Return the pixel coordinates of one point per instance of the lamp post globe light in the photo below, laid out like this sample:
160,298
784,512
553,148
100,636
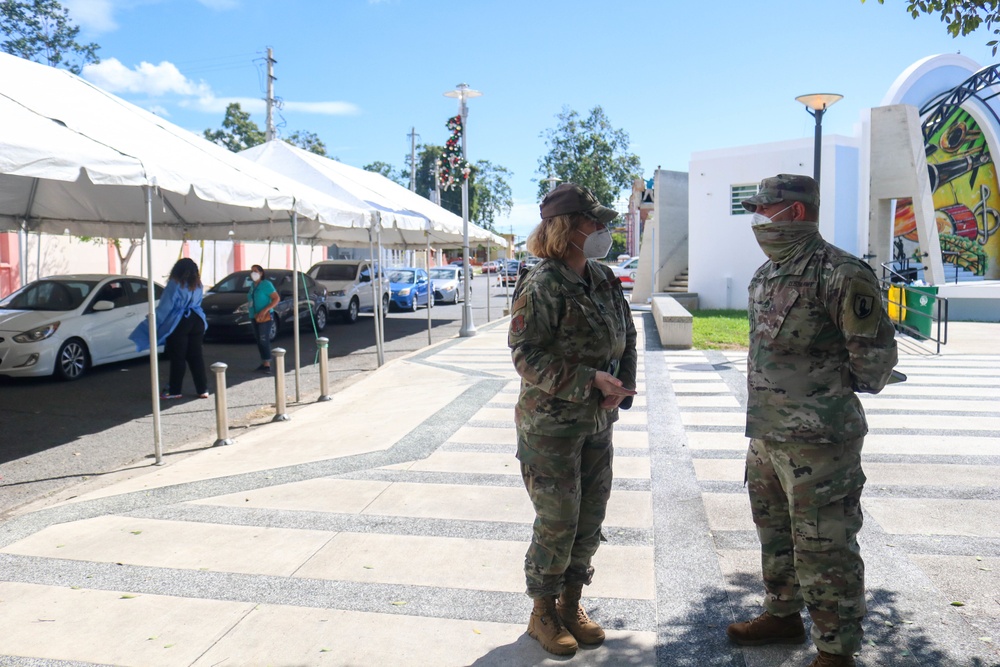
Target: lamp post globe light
463,92
552,181
817,104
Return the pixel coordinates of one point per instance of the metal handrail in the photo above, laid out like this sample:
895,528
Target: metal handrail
940,336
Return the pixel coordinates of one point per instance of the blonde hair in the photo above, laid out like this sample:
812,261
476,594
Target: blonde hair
551,238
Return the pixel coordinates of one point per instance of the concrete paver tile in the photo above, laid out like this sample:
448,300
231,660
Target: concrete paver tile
449,562
102,627
935,516
345,496
627,467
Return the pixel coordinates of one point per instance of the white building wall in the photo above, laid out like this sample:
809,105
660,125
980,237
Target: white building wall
722,248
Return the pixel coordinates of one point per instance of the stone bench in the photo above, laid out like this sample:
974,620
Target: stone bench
673,323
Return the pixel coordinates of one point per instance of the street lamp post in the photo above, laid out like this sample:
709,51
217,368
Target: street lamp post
552,181
463,92
817,104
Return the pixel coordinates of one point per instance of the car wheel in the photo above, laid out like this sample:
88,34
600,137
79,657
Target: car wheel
458,291
351,314
71,361
272,333
413,303
321,318
431,300
385,304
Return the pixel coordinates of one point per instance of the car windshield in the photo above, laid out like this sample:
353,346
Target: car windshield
334,271
444,274
50,295
401,277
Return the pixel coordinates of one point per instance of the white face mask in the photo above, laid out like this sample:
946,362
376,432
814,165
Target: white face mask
598,244
759,219
255,277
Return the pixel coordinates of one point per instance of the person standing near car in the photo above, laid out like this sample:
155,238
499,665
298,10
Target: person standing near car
180,327
262,299
819,335
573,343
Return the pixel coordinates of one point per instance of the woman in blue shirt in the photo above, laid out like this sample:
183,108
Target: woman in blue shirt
180,327
262,297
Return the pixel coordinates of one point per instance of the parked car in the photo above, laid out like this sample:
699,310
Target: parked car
448,284
348,284
625,271
64,325
409,288
460,263
509,273
492,266
228,314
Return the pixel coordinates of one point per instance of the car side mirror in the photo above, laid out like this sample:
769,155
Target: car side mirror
103,305
366,278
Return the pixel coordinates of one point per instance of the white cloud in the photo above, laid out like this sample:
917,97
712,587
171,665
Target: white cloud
146,78
159,110
325,108
212,104
93,16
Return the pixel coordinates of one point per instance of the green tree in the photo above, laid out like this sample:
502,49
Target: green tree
238,131
962,17
308,141
489,193
41,30
588,151
400,176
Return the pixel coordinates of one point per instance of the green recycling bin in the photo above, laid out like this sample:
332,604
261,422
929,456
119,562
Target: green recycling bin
920,301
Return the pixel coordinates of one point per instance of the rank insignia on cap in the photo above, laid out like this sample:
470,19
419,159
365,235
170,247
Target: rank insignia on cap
517,325
863,305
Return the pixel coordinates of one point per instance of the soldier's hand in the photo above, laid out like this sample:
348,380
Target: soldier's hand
610,386
611,402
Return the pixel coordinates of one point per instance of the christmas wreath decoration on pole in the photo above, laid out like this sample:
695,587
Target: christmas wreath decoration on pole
452,167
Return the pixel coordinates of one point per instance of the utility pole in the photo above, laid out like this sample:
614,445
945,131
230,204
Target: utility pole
413,158
269,129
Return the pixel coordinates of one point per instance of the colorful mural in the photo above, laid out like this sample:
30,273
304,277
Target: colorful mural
966,199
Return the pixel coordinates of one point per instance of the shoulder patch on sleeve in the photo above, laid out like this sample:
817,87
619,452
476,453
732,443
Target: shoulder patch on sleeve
517,325
861,309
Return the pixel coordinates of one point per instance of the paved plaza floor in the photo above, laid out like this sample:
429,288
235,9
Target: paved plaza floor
388,527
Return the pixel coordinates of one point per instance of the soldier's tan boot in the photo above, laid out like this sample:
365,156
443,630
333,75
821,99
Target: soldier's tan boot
825,659
574,617
768,629
548,629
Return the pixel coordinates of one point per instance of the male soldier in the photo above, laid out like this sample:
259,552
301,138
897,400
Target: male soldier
818,334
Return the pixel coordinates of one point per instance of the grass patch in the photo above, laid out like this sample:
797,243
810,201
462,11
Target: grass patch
720,329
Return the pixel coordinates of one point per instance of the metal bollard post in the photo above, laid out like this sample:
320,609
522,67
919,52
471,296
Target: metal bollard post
280,415
221,405
324,363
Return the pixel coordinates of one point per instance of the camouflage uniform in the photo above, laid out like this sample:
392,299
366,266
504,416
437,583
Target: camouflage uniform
564,328
818,334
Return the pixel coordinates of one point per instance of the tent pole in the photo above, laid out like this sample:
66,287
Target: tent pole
375,270
430,287
154,365
380,342
489,243
295,300
38,264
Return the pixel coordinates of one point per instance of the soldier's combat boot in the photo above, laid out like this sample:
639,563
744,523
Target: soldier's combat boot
574,617
768,629
825,659
548,629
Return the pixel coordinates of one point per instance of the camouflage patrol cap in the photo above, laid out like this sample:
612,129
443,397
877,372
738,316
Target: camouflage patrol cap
573,198
784,187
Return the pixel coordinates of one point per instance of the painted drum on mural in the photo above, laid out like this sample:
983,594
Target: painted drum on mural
966,198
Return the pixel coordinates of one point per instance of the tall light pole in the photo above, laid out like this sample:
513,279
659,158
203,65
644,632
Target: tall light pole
817,104
463,92
552,181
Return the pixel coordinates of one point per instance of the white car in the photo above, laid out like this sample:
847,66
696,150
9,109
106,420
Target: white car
625,272
448,284
63,325
348,284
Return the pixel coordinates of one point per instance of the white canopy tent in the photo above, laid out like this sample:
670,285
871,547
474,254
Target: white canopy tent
401,218
74,157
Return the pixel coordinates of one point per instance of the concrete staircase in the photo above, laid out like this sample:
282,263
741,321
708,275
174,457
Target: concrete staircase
678,289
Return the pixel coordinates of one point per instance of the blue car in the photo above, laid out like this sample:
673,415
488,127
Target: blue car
409,288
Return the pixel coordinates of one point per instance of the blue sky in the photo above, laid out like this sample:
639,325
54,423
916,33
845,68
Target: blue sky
679,77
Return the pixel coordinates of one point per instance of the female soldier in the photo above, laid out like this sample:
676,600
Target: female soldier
573,344
262,297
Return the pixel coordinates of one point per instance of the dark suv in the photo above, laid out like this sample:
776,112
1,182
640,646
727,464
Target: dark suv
226,310
510,271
